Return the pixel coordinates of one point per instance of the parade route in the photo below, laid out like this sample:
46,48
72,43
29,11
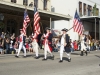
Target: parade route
80,65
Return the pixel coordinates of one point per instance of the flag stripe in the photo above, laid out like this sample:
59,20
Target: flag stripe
26,21
36,23
78,27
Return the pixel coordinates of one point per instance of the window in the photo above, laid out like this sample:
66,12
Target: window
25,2
84,9
89,10
45,4
97,12
36,3
14,1
31,4
80,8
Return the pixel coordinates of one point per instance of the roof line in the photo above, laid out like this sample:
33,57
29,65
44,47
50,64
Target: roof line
30,8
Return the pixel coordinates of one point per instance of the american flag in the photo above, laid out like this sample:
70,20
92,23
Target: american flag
26,21
78,27
36,23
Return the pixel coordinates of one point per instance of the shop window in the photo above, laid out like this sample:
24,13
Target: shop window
14,1
36,3
45,4
80,8
25,2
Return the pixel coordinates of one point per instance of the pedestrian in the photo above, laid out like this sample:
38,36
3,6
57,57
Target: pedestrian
48,44
65,45
35,46
83,44
21,44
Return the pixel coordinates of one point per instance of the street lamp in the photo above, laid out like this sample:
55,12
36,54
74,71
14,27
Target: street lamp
1,17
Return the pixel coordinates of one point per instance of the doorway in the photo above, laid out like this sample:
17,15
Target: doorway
11,26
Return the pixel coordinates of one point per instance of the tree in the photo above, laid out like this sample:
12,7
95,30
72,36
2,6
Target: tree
94,10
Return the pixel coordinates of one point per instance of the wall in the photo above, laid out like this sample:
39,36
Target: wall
40,3
68,7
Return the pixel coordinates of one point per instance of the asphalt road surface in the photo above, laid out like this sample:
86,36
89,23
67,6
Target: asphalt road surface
79,65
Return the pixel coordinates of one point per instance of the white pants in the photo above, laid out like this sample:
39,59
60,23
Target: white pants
46,49
61,52
35,47
1,50
83,47
20,47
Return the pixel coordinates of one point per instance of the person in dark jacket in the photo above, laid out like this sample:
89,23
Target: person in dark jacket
65,45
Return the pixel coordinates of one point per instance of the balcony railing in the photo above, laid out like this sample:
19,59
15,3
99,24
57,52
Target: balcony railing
88,14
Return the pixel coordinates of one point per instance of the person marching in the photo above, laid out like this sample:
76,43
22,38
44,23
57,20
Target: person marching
21,44
48,44
83,44
65,45
35,46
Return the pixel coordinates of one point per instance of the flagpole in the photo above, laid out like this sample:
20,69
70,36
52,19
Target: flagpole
71,28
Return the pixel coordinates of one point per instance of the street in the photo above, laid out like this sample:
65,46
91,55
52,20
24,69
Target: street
79,65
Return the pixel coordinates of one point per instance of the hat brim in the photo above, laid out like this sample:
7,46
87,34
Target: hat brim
47,29
21,29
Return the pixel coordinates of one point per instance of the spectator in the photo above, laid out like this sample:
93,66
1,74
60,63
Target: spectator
3,35
79,45
1,44
75,45
16,46
7,43
71,46
12,42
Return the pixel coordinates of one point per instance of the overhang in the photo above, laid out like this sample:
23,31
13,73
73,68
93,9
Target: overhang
46,14
90,19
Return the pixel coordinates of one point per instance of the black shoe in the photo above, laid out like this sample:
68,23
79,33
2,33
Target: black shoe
17,56
52,57
86,53
61,61
24,56
44,59
81,53
36,57
69,60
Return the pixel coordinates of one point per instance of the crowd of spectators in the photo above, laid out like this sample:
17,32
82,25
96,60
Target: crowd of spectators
9,44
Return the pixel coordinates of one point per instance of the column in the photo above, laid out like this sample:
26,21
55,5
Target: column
50,22
99,29
82,9
95,28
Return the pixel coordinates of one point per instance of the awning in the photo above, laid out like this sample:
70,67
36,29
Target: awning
90,19
46,14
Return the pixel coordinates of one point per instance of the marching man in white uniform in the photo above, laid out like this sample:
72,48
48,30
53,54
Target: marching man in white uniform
83,44
21,44
65,45
35,46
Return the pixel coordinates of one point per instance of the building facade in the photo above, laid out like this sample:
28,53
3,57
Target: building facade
85,8
13,11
